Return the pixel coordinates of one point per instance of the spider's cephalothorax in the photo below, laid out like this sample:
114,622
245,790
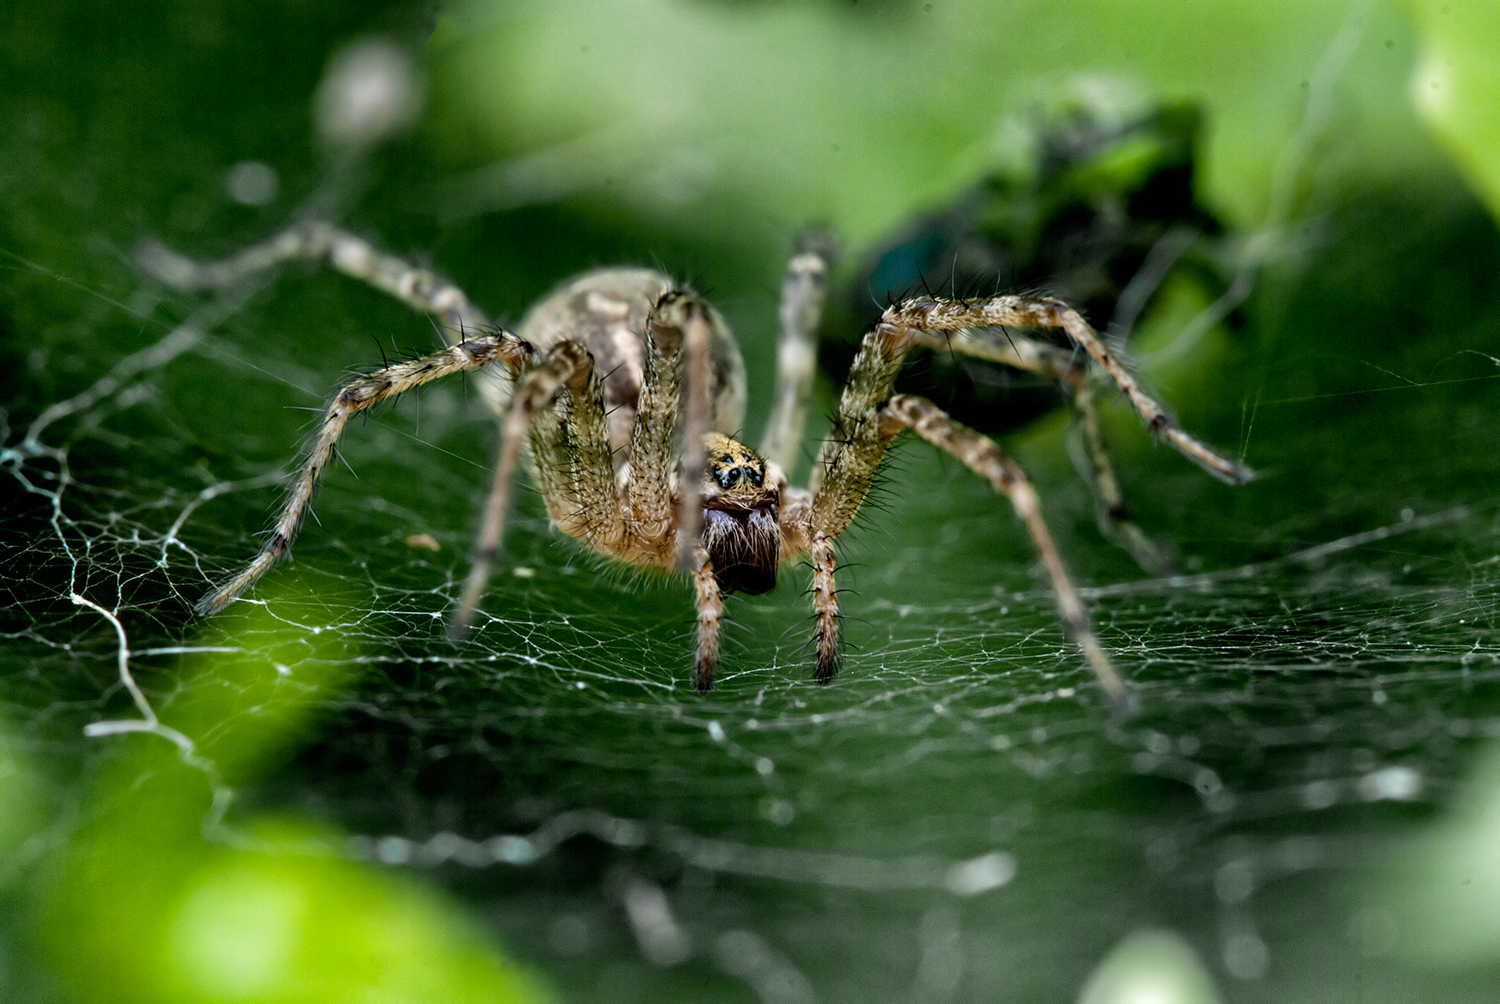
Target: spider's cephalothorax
740,532
626,387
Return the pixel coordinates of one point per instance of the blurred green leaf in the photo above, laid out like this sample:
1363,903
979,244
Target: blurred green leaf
1441,902
860,114
1456,85
142,908
1155,966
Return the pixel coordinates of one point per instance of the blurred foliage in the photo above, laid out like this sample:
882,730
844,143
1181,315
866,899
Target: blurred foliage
1110,190
139,906
1456,85
859,114
1154,966
1438,904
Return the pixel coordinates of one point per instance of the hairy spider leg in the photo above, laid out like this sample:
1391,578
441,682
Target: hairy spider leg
980,454
1049,360
851,454
869,417
360,395
812,518
570,445
354,256
566,372
1013,348
1114,515
826,607
710,609
1039,312
693,323
804,289
654,514
689,317
648,490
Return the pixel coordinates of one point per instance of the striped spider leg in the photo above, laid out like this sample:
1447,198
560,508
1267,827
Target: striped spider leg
1070,367
869,417
596,370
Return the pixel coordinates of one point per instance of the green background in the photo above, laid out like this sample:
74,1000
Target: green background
1305,802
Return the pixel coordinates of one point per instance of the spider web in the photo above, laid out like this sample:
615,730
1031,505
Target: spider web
959,817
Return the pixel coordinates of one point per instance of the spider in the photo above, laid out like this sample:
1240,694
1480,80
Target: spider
628,387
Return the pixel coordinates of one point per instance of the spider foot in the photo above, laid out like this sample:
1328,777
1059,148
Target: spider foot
703,675
828,664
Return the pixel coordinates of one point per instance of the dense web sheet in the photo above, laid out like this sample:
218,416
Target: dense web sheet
958,817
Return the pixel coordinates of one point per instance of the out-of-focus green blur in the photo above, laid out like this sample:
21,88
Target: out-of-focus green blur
148,897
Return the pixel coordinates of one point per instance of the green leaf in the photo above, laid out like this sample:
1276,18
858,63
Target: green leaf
1456,86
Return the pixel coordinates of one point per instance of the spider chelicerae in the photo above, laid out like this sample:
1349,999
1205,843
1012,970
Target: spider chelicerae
627,387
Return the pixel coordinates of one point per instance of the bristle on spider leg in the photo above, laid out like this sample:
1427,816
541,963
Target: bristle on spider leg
1229,471
695,346
980,454
538,390
220,597
1157,417
826,605
321,448
710,612
1029,311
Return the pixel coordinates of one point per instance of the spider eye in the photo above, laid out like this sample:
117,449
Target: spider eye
757,476
729,478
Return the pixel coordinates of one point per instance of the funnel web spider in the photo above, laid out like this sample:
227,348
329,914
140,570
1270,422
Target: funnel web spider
626,388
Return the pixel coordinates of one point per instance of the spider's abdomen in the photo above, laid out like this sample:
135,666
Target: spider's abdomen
606,310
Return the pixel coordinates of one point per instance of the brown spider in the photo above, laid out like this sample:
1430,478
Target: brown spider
626,388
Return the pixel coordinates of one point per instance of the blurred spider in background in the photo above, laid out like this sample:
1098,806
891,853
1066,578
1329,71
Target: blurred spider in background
627,389
1102,214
